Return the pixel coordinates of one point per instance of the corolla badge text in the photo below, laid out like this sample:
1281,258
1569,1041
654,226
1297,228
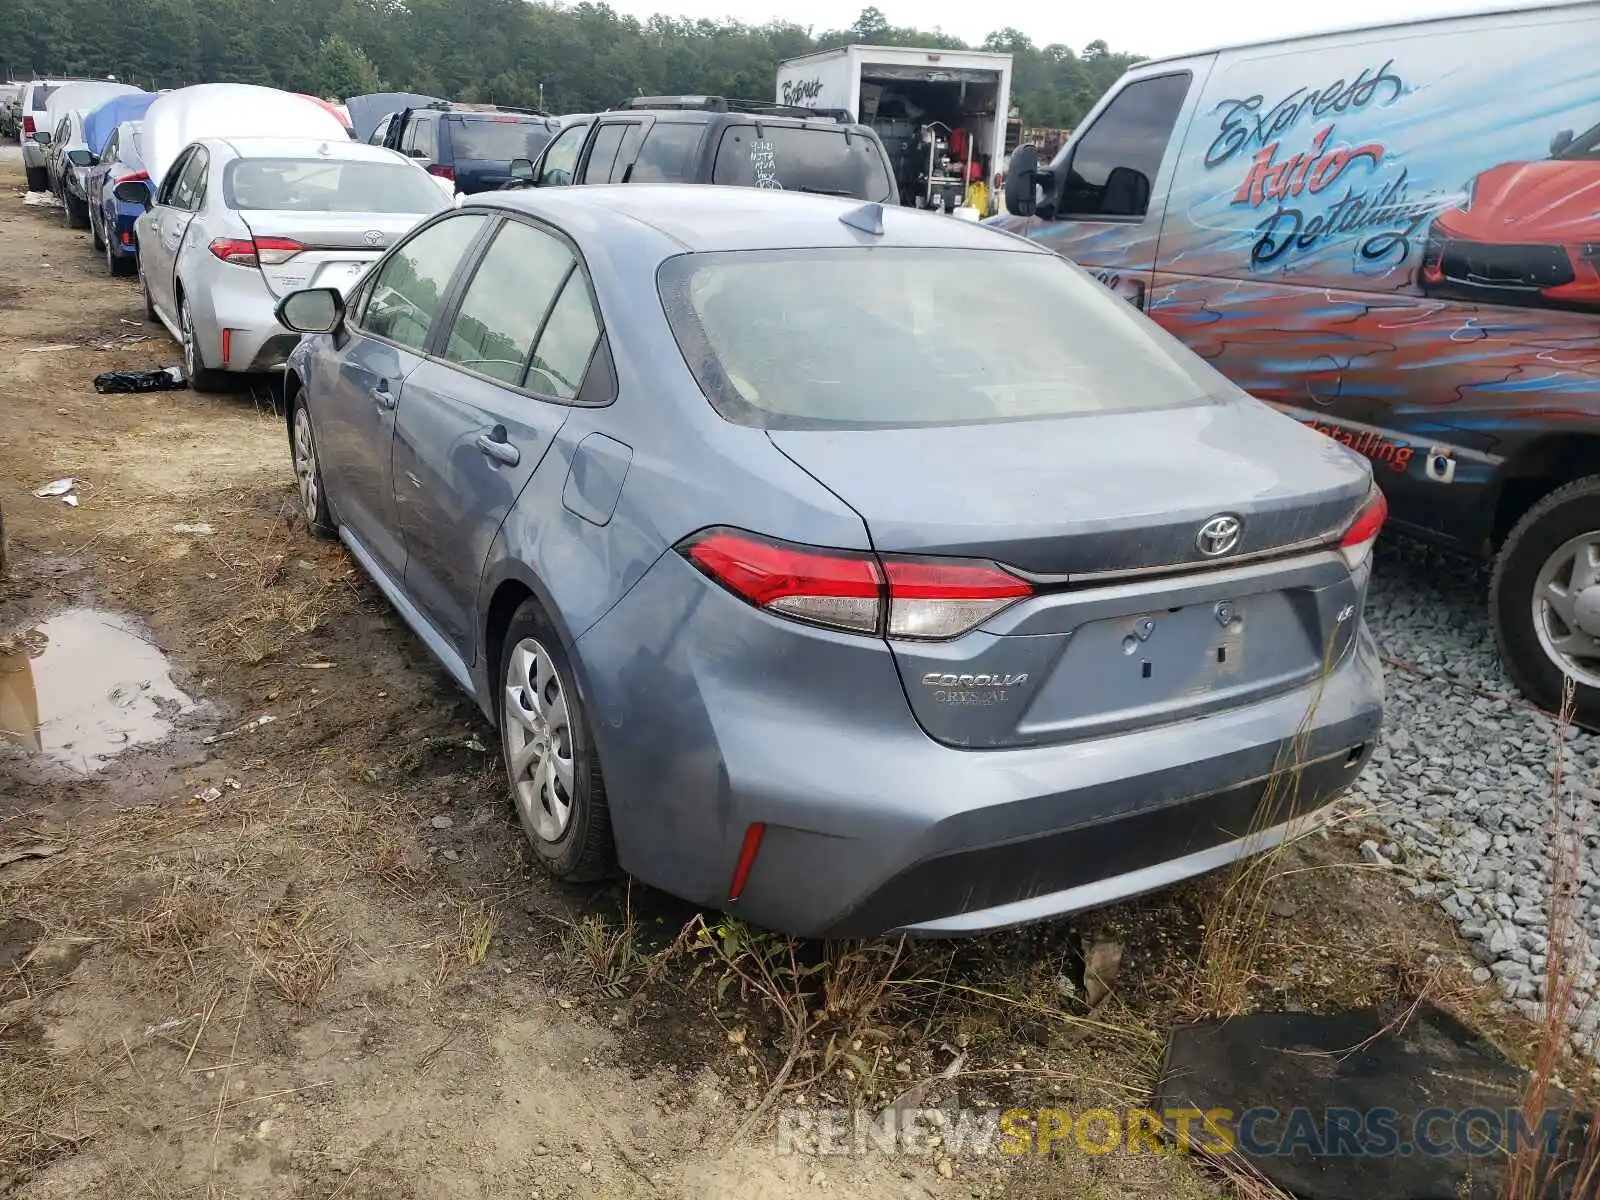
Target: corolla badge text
940,679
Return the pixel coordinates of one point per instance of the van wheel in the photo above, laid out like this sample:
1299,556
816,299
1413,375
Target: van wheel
549,755
1544,601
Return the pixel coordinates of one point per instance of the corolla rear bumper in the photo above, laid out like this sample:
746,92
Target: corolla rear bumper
235,322
711,717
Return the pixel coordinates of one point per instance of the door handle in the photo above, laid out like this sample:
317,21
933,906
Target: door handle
494,445
382,396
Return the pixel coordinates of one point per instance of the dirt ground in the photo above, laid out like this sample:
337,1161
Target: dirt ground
292,945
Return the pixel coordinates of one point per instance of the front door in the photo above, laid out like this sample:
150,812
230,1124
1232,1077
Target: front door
358,388
481,414
1108,192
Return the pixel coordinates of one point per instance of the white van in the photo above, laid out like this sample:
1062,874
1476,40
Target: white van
1393,234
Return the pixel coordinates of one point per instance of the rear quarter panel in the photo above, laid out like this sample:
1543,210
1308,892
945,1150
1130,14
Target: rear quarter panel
1290,257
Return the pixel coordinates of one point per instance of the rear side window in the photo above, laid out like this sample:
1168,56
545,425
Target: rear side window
506,303
328,186
410,285
497,139
381,132
566,343
798,159
420,137
603,153
41,97
889,348
667,155
1113,164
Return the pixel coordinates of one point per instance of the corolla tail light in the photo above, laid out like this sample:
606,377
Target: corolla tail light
260,252
924,599
1358,539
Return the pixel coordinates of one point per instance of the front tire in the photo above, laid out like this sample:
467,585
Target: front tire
1544,600
76,210
550,757
308,469
94,232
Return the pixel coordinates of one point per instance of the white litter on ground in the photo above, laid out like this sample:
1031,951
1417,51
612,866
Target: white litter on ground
41,200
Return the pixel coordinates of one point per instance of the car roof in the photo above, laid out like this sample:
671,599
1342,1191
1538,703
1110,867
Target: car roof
303,147
702,219
705,116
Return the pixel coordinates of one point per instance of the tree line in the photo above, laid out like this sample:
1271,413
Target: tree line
567,58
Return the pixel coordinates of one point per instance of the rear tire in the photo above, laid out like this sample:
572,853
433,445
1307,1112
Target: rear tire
150,313
1549,564
38,179
94,232
201,377
556,787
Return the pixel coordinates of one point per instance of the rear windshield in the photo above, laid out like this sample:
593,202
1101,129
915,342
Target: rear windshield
498,139
41,96
863,338
317,185
800,159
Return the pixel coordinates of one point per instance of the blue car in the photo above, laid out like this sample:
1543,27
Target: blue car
801,586
119,194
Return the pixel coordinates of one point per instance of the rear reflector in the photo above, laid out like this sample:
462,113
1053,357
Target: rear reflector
262,252
227,345
747,859
1357,541
855,591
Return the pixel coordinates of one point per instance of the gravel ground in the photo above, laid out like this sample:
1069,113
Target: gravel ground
1463,777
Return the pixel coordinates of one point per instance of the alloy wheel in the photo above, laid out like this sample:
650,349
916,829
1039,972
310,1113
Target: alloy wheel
538,733
191,352
305,464
1566,608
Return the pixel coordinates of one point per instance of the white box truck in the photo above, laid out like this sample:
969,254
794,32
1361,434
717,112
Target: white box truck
940,113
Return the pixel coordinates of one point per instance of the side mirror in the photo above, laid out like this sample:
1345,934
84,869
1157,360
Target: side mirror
80,158
41,139
314,310
1560,142
1023,178
522,170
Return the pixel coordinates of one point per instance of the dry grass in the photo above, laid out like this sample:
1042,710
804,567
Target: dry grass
297,947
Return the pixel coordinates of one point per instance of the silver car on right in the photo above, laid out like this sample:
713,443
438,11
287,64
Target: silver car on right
239,223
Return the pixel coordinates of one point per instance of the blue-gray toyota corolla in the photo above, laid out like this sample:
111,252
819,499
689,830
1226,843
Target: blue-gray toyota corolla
852,569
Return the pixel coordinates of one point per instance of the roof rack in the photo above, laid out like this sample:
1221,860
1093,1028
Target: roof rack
760,108
464,107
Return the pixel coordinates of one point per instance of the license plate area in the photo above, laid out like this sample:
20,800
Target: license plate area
341,275
1162,662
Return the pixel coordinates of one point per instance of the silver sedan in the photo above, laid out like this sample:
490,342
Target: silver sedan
239,223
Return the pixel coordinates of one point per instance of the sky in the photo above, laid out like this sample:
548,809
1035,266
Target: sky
1149,27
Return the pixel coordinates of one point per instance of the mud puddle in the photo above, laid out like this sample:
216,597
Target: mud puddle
85,686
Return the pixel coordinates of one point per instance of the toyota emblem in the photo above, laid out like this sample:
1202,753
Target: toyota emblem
1218,535
373,237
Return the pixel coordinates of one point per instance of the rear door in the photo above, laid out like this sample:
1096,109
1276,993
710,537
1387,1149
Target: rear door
669,152
601,158
481,414
358,386
175,207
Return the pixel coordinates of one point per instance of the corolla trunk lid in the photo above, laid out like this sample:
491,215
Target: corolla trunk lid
1145,607
1088,494
318,249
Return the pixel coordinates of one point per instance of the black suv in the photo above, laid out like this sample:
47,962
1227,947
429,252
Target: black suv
473,145
709,139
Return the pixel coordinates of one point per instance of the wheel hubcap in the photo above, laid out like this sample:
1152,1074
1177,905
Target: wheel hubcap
1566,608
538,736
305,462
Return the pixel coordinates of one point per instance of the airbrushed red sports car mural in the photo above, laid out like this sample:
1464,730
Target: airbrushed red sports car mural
1528,232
